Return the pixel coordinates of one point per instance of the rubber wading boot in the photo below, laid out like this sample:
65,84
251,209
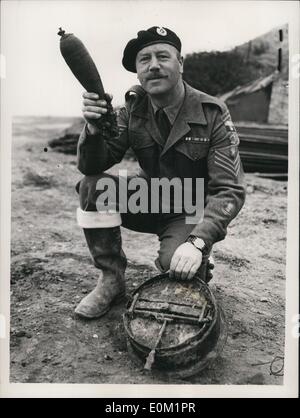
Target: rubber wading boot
106,251
108,292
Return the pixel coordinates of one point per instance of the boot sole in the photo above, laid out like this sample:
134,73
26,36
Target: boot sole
118,299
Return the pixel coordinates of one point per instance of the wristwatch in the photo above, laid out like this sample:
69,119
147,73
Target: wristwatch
198,243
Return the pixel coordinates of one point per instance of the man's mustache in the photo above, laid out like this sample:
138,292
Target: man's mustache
155,76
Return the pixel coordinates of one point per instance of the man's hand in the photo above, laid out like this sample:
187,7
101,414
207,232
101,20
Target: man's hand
185,261
93,109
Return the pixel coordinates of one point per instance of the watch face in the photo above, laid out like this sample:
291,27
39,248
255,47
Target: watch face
199,243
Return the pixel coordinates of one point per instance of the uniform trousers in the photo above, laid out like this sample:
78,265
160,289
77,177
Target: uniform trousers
171,229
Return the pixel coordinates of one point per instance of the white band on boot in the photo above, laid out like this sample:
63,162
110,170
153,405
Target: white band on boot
87,219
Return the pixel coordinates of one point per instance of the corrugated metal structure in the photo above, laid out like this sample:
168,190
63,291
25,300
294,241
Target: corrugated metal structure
252,102
260,112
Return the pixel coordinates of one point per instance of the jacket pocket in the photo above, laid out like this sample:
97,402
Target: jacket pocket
145,150
194,151
140,140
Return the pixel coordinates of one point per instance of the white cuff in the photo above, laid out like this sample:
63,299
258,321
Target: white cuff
87,219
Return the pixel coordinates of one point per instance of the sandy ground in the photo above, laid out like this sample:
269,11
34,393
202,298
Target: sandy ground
51,271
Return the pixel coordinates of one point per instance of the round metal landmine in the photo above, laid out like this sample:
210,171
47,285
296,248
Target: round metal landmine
175,327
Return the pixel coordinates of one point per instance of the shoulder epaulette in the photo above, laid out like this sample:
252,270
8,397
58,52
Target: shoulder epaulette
206,98
134,91
132,95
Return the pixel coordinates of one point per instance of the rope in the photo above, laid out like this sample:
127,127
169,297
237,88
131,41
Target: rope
273,370
278,372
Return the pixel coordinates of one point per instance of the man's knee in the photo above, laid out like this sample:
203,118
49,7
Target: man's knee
89,192
88,214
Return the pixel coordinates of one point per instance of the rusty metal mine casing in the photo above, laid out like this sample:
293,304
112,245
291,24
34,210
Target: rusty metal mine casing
160,315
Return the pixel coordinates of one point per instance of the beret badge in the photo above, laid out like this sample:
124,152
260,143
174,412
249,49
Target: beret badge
161,31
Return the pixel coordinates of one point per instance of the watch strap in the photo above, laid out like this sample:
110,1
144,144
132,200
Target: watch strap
203,249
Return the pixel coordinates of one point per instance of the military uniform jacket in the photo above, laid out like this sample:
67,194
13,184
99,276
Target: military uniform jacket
202,143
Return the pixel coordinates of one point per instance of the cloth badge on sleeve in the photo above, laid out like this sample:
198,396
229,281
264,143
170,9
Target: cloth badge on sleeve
230,126
234,139
228,208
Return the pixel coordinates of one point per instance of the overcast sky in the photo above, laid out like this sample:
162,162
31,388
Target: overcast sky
39,82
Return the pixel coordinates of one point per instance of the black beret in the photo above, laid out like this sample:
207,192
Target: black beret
153,35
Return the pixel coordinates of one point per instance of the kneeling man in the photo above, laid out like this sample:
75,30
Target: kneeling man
176,132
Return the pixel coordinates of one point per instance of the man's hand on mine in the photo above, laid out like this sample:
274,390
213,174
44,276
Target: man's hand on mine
93,109
185,262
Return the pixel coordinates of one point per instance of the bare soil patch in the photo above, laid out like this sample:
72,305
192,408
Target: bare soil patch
51,271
